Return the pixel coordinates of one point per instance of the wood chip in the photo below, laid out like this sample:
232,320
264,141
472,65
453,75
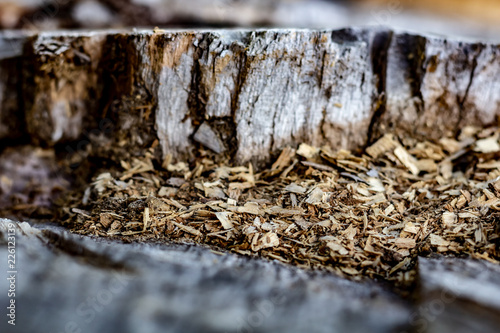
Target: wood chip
187,228
437,240
359,215
408,161
489,145
224,220
449,218
405,243
267,240
385,144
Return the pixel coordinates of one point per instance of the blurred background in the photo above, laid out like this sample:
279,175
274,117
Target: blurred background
469,18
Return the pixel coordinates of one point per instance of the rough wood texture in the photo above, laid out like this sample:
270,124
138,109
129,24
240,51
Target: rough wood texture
458,296
440,85
251,92
66,283
11,50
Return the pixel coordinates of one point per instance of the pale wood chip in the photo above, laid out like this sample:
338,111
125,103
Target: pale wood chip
318,166
315,196
249,208
337,247
187,228
277,210
383,145
224,219
405,243
437,240
350,270
449,218
376,184
267,240
350,232
469,215
307,151
411,228
461,202
145,219
427,165
294,188
488,145
410,162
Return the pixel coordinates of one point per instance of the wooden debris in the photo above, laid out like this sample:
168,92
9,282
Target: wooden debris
224,220
358,215
383,145
207,137
408,161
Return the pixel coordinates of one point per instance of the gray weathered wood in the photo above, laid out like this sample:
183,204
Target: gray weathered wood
439,85
262,89
69,283
457,295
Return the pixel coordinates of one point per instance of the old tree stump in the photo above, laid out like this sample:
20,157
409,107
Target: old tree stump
91,99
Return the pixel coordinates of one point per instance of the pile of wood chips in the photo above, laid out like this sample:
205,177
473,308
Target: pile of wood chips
367,215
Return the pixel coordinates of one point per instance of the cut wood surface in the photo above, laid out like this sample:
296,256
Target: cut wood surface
247,93
66,281
462,295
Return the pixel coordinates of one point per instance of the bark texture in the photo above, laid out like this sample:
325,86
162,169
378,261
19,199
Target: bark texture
246,93
458,295
66,282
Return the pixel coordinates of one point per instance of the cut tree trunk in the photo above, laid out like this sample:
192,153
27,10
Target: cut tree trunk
458,295
244,93
70,283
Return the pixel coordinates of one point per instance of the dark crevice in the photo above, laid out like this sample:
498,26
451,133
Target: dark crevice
77,250
322,70
224,127
240,82
243,72
322,125
13,105
415,49
379,56
243,69
462,100
197,91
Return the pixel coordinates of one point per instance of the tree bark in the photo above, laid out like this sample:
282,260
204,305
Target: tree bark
64,280
249,93
458,295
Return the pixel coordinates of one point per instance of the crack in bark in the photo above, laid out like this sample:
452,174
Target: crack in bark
77,250
119,73
415,48
461,101
379,55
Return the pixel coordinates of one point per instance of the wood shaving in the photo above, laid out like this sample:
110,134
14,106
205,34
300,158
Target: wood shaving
358,215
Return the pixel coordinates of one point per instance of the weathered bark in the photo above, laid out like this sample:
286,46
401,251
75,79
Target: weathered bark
65,282
11,110
439,85
458,295
250,92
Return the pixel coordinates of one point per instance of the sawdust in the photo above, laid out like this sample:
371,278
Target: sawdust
369,215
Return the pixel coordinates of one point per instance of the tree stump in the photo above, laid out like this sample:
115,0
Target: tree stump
246,95
241,92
